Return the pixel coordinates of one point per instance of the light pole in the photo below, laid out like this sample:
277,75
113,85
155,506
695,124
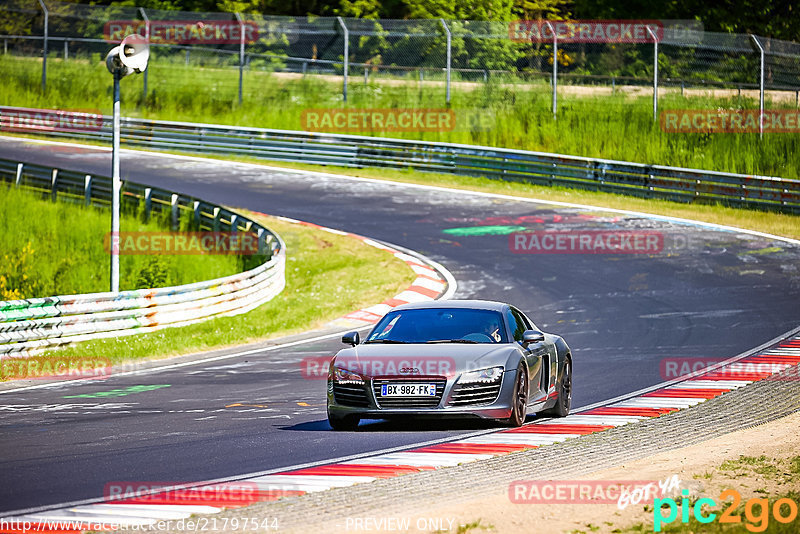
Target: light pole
130,56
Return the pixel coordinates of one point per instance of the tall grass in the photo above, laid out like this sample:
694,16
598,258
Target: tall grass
57,248
610,126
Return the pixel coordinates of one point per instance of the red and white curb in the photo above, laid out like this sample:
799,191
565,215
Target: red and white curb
433,281
183,503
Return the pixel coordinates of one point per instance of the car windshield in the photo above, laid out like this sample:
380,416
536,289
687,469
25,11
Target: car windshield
447,325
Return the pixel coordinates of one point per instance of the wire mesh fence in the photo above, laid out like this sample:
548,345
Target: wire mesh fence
435,54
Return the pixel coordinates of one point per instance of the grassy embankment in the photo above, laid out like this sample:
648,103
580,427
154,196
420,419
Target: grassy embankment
327,276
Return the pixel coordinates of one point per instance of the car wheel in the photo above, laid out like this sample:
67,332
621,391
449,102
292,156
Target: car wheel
564,402
519,400
347,422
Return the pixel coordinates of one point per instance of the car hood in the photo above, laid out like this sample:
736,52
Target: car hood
446,359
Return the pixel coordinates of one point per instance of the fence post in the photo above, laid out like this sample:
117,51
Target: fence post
555,68
760,89
241,55
148,202
449,58
54,185
44,47
655,73
87,190
147,40
174,212
346,56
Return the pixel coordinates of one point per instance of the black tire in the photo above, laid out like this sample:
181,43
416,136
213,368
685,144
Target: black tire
519,400
344,423
564,401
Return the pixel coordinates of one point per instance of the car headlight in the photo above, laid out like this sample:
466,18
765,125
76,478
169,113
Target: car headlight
343,376
489,375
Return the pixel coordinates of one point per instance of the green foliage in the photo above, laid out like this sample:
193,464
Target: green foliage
59,249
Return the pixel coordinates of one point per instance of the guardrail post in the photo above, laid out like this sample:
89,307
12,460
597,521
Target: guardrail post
87,190
54,185
146,20
234,223
366,76
655,73
66,49
18,177
148,202
215,224
241,55
44,47
196,211
174,212
346,56
449,59
555,69
760,89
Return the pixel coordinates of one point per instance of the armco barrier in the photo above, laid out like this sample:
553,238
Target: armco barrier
649,181
32,325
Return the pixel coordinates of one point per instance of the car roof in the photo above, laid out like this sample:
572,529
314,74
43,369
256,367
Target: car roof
438,304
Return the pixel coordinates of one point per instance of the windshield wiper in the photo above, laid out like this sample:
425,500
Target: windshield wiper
385,341
451,341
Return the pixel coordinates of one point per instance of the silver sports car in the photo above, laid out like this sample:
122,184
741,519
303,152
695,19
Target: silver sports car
450,359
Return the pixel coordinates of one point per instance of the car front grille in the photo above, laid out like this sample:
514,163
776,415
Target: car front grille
472,394
409,402
350,395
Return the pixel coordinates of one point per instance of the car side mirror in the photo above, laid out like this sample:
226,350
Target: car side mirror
351,338
532,336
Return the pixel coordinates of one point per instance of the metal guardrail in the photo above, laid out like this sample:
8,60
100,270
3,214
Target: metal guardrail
32,325
636,179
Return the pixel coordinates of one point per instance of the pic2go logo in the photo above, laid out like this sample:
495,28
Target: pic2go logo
783,510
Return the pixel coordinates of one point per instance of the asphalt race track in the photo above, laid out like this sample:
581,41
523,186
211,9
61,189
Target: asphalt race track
704,293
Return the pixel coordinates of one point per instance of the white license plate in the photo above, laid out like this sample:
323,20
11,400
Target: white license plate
408,390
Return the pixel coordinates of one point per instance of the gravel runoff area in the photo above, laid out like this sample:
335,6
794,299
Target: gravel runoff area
412,495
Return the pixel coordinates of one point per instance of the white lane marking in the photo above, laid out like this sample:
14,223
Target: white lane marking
658,402
427,271
65,516
412,296
427,283
148,511
581,419
711,384
518,439
309,481
420,459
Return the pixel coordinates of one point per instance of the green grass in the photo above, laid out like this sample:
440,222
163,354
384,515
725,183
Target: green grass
57,248
327,276
612,126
